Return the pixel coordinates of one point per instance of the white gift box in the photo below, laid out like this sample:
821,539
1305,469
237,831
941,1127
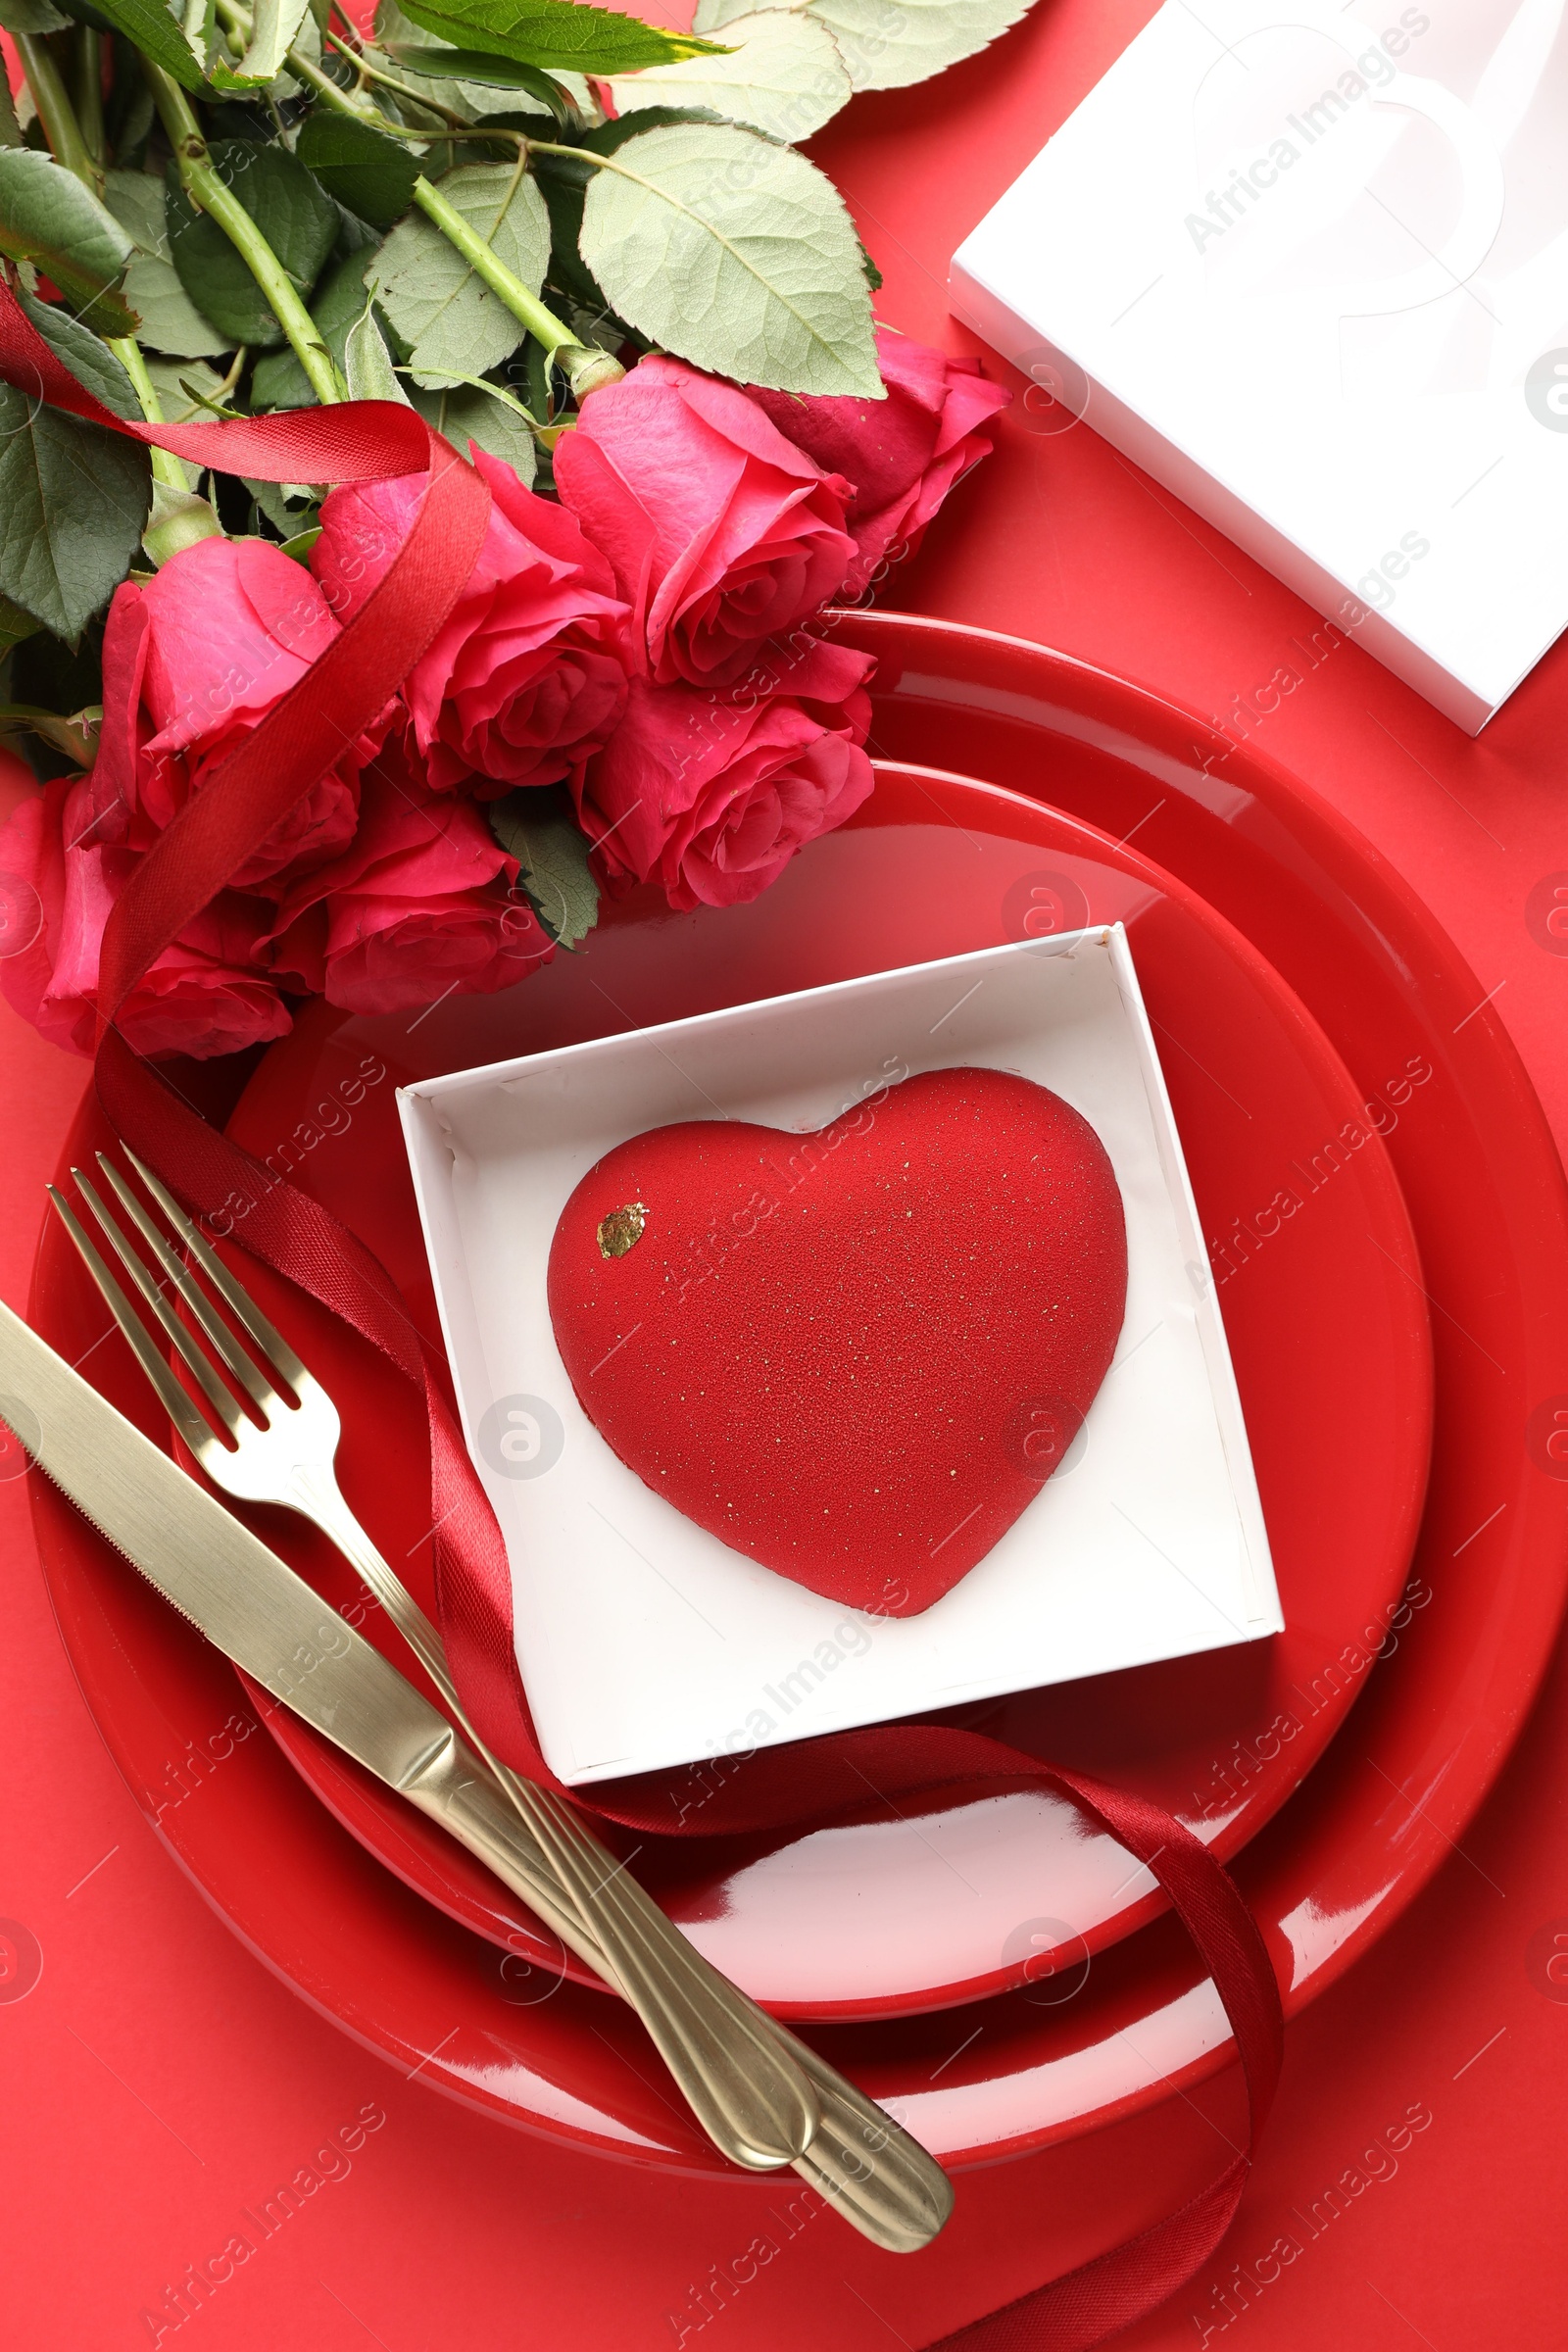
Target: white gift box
645,1640
1309,269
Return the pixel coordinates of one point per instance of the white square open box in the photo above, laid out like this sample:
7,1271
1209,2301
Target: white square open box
643,1639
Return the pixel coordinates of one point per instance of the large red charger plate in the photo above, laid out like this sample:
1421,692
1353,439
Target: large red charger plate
1430,1727
926,1906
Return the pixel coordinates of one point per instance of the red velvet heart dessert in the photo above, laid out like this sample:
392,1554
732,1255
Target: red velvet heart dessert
853,1355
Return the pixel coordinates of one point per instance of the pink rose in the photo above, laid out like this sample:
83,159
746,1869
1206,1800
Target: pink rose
721,531
902,454
209,992
527,679
193,659
419,907
711,799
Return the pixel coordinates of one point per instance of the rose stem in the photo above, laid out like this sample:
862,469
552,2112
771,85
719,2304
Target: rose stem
55,112
588,370
69,151
88,45
209,194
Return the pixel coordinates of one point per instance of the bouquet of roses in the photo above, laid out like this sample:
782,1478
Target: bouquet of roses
588,252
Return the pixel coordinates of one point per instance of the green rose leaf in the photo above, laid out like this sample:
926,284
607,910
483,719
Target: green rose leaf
290,507
32,15
554,33
273,26
298,219
538,829
475,411
495,72
368,368
89,360
784,76
74,500
737,254
170,319
157,35
278,381
16,627
564,180
887,44
177,383
452,323
82,12
364,170
395,32
47,216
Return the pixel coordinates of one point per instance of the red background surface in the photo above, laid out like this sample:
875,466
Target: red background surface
158,2080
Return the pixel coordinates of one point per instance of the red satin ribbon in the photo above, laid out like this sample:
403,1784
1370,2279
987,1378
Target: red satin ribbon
210,840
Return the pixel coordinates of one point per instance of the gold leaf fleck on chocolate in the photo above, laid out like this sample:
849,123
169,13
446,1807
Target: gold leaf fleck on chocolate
622,1230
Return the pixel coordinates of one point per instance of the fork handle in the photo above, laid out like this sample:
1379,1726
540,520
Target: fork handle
749,2095
861,2162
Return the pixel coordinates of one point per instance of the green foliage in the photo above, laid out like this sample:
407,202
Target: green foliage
368,368
451,321
30,16
296,217
74,500
888,44
480,411
177,383
157,35
784,76
47,216
564,33
497,72
537,827
278,381
735,253
274,24
170,319
395,34
89,360
564,180
365,170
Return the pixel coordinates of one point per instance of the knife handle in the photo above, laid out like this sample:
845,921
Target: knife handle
882,2182
750,2095
747,2094
665,1977
860,2161
866,2164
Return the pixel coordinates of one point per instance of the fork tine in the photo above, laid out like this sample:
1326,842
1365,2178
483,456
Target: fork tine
212,1389
272,1343
175,1403
256,1385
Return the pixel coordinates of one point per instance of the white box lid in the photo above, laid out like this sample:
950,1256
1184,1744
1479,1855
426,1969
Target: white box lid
1313,267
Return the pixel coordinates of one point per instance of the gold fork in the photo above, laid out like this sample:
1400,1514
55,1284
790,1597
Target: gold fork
764,2098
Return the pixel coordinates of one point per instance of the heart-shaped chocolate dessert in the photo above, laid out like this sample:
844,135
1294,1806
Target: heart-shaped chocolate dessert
853,1355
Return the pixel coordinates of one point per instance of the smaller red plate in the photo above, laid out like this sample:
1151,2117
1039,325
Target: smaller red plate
1323,1307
